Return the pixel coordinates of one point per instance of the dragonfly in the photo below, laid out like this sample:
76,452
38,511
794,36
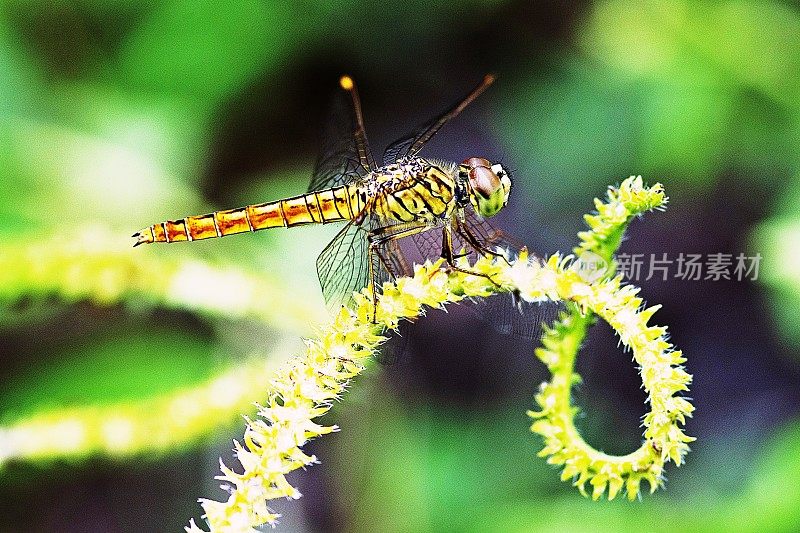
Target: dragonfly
442,206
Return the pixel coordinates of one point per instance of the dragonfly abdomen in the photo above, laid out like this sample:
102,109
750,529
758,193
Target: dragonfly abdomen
320,207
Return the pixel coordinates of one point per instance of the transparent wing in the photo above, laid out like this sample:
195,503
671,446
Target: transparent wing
509,315
506,312
343,266
395,262
398,343
345,156
503,312
412,143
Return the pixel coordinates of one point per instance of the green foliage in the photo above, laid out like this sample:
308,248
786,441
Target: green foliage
663,87
108,111
113,366
778,240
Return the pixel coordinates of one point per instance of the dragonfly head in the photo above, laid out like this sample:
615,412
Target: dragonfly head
489,185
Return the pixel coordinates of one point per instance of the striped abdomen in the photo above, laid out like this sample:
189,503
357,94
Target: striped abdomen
321,207
425,197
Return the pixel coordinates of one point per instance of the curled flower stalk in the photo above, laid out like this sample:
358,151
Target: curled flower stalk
663,377
307,387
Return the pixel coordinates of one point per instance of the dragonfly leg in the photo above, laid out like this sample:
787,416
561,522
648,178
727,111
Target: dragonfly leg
373,284
449,256
378,239
473,241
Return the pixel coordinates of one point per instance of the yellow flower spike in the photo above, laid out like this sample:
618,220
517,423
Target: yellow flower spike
598,482
304,389
632,486
162,423
621,308
614,486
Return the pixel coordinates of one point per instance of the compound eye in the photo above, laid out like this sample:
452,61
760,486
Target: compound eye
474,162
484,181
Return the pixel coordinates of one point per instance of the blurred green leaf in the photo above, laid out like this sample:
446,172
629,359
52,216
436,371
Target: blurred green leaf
17,80
449,466
756,42
679,115
778,240
572,131
128,363
204,51
64,177
775,489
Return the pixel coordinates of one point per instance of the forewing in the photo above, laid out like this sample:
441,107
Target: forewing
412,143
339,162
400,148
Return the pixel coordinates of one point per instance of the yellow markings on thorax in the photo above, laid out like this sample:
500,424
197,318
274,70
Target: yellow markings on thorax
357,199
422,198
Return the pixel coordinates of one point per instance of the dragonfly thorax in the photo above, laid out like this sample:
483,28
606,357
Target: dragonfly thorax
413,189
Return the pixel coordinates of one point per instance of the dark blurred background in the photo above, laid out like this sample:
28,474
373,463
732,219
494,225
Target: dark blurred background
117,114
